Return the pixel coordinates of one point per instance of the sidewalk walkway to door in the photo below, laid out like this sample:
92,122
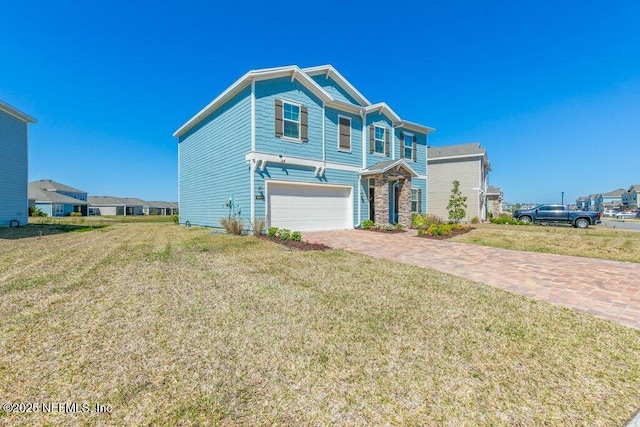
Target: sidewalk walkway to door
606,289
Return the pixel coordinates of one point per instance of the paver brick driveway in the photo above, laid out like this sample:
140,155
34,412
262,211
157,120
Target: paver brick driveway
607,289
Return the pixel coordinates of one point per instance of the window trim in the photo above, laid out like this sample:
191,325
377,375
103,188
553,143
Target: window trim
375,140
405,136
291,138
418,201
344,150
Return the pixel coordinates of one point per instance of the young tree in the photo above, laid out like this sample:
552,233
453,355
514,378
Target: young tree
457,203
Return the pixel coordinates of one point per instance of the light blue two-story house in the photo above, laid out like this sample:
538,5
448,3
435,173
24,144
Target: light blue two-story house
302,149
57,199
14,166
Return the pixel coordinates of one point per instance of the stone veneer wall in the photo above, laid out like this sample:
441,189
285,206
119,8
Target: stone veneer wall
381,195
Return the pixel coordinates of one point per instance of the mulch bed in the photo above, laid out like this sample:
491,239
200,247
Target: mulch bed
454,233
290,244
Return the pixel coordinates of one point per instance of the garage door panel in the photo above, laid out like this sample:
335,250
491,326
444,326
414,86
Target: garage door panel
307,207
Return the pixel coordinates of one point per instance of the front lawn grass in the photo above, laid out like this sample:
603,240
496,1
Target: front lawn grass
593,242
171,325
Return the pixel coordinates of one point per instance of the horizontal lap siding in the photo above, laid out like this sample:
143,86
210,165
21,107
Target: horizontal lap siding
266,92
334,89
441,177
212,164
13,170
420,165
304,175
421,184
353,158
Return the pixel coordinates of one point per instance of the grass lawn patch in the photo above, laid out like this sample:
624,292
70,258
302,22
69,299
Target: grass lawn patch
593,242
171,325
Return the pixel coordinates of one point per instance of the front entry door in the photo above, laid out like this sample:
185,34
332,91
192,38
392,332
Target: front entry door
372,204
396,199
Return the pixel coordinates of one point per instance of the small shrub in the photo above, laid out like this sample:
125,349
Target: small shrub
503,219
272,231
174,218
399,226
475,220
75,214
296,236
377,226
284,234
36,212
440,229
425,220
233,226
389,227
258,226
422,231
367,224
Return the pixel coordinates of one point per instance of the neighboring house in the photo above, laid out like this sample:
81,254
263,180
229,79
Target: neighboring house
630,197
302,149
494,200
466,163
581,203
108,205
612,200
160,208
57,199
14,204
594,202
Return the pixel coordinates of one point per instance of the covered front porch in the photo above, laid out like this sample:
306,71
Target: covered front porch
389,192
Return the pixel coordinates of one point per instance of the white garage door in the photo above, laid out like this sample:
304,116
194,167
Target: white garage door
309,207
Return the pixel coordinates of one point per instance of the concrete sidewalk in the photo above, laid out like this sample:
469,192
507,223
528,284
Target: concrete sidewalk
606,289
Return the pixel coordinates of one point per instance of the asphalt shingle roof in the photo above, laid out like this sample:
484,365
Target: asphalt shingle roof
456,150
47,184
41,195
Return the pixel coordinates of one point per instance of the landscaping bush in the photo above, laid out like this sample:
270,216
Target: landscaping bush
398,226
284,234
296,236
425,220
475,220
367,224
233,226
175,219
75,214
272,231
440,229
389,227
258,226
507,219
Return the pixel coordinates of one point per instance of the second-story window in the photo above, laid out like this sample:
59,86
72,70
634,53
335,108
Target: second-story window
379,139
291,120
408,146
344,133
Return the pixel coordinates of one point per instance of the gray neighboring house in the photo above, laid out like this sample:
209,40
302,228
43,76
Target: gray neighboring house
160,208
466,163
14,166
630,199
56,199
109,205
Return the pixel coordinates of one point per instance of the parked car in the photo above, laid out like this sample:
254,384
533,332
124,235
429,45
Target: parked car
609,212
544,214
627,215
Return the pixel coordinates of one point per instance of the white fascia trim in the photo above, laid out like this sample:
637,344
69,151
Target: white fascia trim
416,127
420,177
344,106
315,184
16,113
456,157
397,163
297,161
384,109
239,85
330,71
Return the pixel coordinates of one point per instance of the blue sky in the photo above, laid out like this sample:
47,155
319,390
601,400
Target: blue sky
551,89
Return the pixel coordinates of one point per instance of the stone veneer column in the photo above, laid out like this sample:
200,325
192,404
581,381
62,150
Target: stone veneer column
381,202
404,202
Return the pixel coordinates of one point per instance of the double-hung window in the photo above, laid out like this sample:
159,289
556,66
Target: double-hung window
379,139
291,120
408,146
416,200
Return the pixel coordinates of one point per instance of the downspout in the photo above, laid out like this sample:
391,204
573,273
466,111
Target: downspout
393,142
364,165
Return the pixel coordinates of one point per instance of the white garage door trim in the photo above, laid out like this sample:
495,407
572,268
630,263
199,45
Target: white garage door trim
314,219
